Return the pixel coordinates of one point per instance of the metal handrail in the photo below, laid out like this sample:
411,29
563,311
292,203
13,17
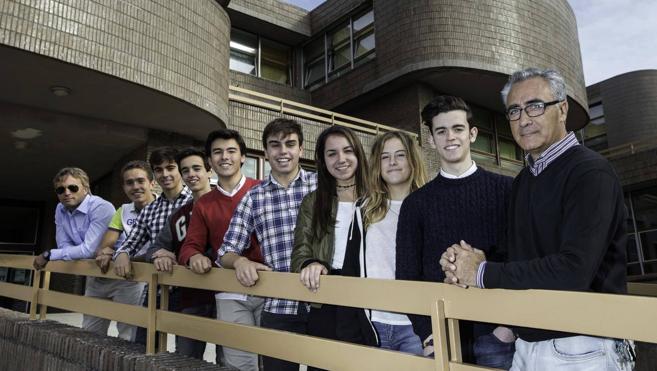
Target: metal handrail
293,108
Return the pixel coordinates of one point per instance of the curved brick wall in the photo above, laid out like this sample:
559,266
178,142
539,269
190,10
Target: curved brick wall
500,36
630,105
177,47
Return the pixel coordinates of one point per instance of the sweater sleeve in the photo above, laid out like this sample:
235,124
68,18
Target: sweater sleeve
164,240
196,239
591,212
410,245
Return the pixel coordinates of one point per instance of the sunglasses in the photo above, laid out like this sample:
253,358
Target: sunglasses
72,187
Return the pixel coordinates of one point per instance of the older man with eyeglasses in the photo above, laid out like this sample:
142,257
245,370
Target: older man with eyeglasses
80,218
566,228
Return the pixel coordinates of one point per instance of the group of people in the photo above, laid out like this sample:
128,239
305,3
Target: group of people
558,225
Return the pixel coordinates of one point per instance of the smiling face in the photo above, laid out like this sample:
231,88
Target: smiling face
226,159
340,158
451,136
283,153
68,198
167,175
194,174
536,134
395,167
138,187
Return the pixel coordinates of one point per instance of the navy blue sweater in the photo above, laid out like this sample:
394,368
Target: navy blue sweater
442,213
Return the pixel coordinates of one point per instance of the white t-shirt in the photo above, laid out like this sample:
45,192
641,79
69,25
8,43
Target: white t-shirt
381,258
343,220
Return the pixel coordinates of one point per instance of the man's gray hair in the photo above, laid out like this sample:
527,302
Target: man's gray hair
554,78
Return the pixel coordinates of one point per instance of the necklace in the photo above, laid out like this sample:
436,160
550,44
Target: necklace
344,187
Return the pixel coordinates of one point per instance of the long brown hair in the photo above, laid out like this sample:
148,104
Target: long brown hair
326,185
376,207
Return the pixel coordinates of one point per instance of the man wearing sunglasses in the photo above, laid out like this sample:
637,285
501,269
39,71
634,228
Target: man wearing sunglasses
566,228
80,218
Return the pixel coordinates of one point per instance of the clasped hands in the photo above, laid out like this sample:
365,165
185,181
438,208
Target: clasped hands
460,263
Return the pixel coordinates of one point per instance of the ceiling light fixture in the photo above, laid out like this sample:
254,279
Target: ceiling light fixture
60,91
27,133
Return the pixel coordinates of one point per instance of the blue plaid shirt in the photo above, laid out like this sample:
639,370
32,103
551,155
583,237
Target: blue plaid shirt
271,211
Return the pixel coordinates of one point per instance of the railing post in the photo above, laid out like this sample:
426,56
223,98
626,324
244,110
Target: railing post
439,336
43,309
36,283
164,305
152,314
454,340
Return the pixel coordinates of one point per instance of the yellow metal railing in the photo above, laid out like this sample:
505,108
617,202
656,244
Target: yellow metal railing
630,148
617,316
293,108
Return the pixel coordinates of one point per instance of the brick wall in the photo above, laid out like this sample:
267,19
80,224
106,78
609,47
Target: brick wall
177,47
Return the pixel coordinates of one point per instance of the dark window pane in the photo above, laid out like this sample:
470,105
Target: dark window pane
502,125
645,208
18,225
314,61
484,143
509,149
275,61
632,253
596,110
363,45
481,118
649,244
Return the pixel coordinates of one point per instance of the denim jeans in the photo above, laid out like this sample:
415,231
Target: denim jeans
398,337
575,353
490,351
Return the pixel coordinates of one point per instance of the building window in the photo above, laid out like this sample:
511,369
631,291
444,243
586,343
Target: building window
339,50
594,135
258,56
642,231
495,144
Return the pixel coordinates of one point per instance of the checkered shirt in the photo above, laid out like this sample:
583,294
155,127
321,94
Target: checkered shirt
151,220
271,211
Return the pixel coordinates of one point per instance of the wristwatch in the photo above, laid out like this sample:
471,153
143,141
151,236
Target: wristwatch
46,255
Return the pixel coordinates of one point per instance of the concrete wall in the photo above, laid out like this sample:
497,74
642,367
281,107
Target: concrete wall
630,106
492,36
177,47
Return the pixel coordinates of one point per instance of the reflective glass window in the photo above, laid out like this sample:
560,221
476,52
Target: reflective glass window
243,52
275,61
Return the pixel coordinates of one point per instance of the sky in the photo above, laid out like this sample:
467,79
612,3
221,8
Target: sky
615,36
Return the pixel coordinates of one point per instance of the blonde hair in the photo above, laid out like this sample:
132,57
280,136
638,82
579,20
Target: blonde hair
74,172
377,203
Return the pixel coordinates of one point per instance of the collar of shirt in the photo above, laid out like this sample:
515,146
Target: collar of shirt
185,193
550,154
467,173
83,207
235,190
303,175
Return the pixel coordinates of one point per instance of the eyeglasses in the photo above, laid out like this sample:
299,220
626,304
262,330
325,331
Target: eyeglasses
532,110
71,187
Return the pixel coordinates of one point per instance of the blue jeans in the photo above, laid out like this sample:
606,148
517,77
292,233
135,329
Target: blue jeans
575,353
398,337
490,351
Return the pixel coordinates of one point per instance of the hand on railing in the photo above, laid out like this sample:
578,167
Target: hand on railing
122,266
103,258
460,263
200,263
164,260
246,271
40,261
310,275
